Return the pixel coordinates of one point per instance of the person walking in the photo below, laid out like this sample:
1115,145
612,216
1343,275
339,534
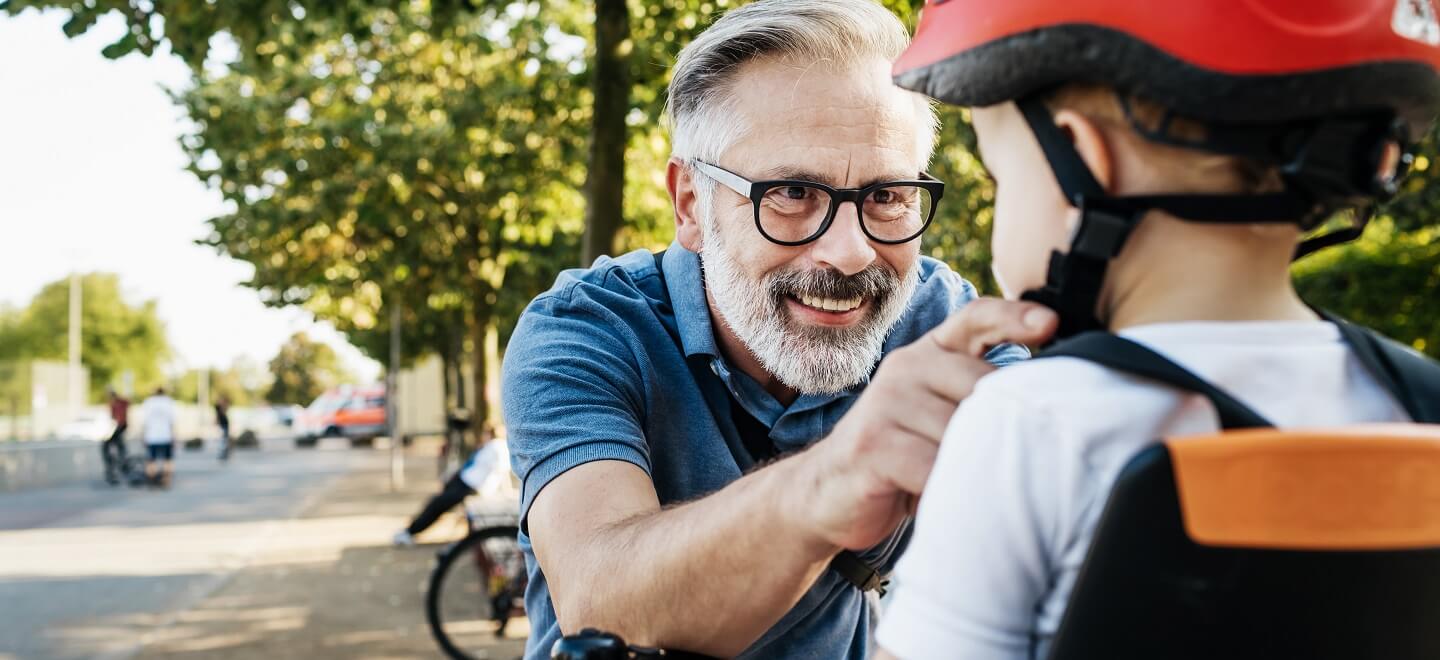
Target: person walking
159,434
222,419
112,451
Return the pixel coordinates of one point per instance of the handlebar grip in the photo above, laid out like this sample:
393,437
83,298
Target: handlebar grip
590,644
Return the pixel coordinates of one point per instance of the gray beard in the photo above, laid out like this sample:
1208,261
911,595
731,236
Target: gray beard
810,359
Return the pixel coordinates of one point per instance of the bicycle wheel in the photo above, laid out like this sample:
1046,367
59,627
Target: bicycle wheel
477,585
133,471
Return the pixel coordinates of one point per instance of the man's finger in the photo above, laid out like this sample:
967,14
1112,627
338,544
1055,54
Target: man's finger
987,322
952,376
927,415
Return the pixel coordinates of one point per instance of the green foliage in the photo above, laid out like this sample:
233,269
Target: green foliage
188,25
243,383
430,152
115,336
1389,280
401,168
960,235
303,370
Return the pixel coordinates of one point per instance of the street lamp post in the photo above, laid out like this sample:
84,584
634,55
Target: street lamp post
392,412
76,393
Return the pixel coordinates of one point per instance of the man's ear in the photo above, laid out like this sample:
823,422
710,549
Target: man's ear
680,183
1092,146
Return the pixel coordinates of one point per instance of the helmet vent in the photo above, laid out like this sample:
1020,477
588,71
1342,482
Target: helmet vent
1415,20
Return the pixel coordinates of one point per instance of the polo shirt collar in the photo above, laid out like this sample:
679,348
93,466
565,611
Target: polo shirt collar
686,284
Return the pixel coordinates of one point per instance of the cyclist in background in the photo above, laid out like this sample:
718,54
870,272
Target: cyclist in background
487,474
113,450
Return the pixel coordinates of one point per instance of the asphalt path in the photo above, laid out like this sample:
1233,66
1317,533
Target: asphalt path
88,570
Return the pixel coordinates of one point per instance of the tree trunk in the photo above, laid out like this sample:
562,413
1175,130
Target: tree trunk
447,388
605,177
461,401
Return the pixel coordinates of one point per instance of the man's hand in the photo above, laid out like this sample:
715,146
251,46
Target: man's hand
865,476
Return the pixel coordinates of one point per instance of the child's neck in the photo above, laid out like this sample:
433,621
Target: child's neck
1175,271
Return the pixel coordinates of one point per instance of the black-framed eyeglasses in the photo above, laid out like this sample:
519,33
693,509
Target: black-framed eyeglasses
790,212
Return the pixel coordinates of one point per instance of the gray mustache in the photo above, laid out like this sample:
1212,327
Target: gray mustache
875,282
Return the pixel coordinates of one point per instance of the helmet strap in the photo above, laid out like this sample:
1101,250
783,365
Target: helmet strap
1076,278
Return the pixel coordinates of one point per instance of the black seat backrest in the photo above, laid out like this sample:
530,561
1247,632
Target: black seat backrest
1267,544
1300,545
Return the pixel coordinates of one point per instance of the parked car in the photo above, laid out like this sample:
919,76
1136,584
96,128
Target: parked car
96,427
353,412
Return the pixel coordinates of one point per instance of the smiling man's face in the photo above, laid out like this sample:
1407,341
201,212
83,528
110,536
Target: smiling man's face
815,315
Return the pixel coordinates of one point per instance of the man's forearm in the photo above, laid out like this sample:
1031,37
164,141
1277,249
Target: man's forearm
708,576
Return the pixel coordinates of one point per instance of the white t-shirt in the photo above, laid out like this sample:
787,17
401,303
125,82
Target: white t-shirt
159,420
488,470
1029,459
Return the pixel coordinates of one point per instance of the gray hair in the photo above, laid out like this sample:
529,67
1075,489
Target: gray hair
699,106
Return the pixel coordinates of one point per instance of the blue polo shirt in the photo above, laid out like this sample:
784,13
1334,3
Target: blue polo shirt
593,372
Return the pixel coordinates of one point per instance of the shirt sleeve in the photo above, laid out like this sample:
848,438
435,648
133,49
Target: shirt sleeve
979,565
479,467
571,394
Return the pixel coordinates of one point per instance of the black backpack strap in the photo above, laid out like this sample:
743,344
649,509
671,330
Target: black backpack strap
756,438
1121,354
1413,379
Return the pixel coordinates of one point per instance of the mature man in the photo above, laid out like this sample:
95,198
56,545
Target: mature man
641,396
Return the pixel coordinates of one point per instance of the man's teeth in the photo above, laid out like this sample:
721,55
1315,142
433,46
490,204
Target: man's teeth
831,304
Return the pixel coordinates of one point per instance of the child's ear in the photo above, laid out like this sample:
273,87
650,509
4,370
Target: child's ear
680,183
1090,143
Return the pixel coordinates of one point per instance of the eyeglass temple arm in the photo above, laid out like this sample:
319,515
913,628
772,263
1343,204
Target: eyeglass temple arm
730,179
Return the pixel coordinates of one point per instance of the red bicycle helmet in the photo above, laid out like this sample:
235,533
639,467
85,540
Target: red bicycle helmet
1221,60
1329,92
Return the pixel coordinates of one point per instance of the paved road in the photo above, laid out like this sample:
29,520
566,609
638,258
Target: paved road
87,571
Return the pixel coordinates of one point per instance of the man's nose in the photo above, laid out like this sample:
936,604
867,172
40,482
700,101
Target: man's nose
844,246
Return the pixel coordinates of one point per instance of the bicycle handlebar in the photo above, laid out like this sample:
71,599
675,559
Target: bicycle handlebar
592,644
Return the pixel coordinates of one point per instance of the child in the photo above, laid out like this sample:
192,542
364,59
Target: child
1155,170
486,473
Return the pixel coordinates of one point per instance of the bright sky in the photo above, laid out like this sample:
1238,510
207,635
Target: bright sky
91,179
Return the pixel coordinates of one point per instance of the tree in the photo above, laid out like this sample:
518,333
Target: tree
616,88
400,169
304,369
631,44
259,25
243,383
116,337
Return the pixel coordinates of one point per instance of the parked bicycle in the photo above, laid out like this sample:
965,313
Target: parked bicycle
477,585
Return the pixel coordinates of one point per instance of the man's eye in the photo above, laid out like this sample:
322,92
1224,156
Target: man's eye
884,197
795,192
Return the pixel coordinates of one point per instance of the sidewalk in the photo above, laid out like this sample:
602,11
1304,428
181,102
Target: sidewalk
328,584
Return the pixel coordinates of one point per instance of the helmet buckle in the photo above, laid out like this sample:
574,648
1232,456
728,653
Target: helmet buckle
1103,228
